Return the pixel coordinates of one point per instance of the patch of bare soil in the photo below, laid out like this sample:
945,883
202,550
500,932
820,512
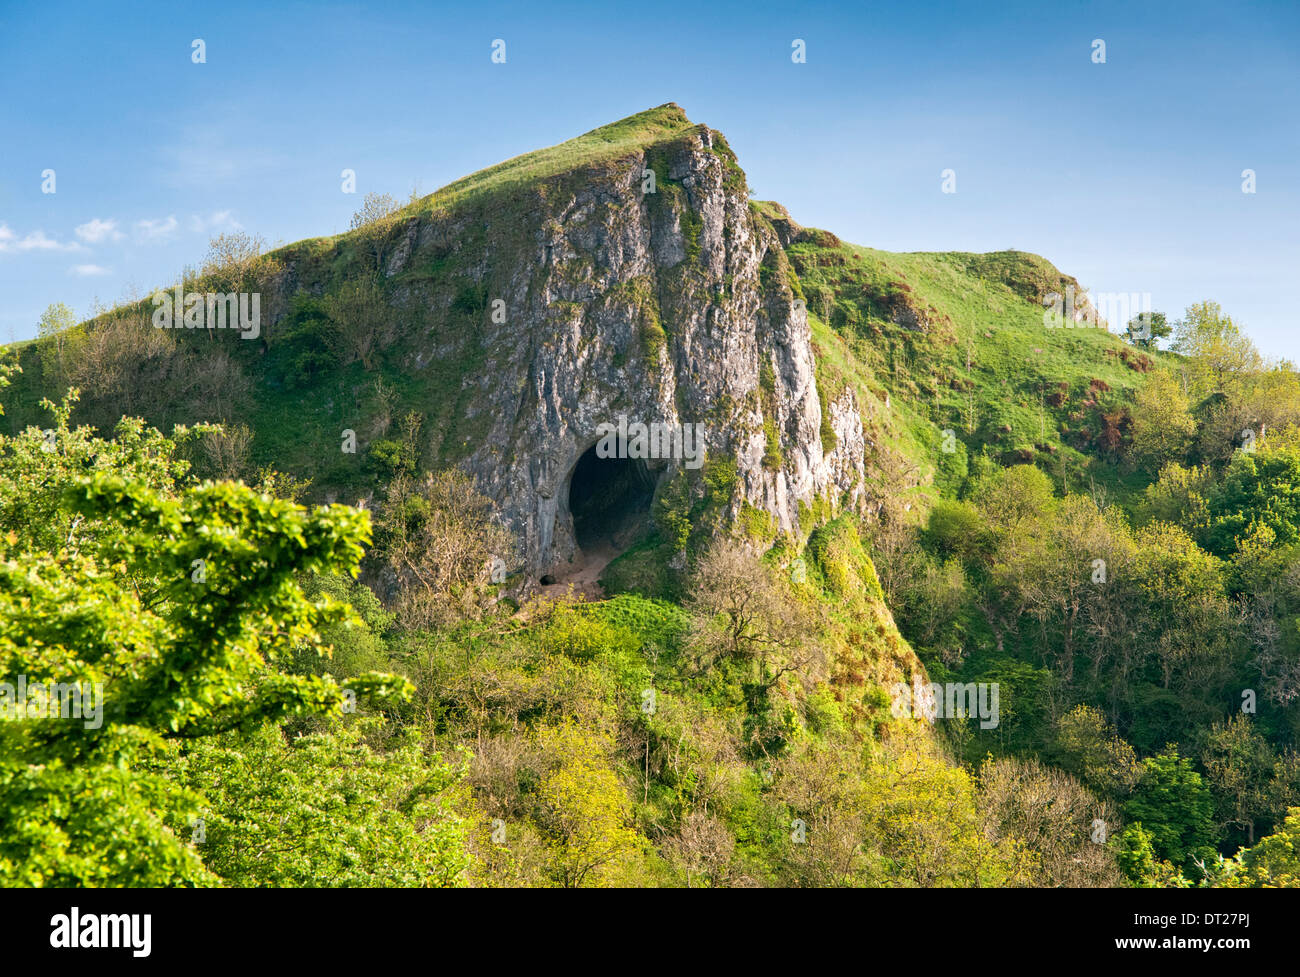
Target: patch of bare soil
583,574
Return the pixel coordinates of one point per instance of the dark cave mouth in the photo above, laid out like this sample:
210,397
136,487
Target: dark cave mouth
609,499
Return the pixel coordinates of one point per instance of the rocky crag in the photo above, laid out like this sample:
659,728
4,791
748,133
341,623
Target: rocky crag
642,286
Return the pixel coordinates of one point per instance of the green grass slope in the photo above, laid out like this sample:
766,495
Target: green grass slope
959,343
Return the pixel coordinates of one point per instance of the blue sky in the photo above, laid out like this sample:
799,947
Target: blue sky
1125,174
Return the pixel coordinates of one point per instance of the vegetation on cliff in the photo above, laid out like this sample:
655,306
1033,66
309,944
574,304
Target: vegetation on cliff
1104,532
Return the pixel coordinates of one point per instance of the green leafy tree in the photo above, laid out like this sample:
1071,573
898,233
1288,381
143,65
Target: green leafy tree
1147,329
1188,619
1136,856
1175,809
1163,426
1219,355
1091,749
1274,863
53,335
1259,488
584,811
326,809
1238,762
169,611
38,466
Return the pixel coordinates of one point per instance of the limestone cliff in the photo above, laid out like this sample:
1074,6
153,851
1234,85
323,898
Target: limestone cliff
566,289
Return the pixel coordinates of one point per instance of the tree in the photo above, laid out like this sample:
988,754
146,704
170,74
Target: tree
934,604
924,820
356,645
1187,620
38,467
325,809
237,261
362,321
374,221
583,811
226,451
1180,496
1092,750
703,850
745,615
824,788
124,367
1163,426
1137,859
375,208
1219,354
57,318
230,259
1175,809
1260,488
1056,577
1274,863
218,388
1147,329
900,816
52,331
167,609
1056,562
1238,762
439,535
1049,814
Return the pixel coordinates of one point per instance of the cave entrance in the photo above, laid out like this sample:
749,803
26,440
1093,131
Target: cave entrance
609,499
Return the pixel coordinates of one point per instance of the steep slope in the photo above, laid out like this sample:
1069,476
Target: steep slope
967,344
498,323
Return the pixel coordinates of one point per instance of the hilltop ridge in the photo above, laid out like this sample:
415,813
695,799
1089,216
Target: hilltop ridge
920,344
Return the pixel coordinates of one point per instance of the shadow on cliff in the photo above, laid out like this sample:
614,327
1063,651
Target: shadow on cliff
609,499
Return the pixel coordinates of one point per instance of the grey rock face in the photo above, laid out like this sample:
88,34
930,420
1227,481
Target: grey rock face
669,307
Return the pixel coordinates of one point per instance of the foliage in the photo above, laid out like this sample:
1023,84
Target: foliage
169,609
1107,531
440,537
1274,863
1174,808
325,809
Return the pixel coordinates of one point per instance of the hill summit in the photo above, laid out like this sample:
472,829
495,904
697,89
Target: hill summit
619,281
616,342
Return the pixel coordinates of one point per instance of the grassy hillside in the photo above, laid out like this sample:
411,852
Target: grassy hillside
958,342
611,142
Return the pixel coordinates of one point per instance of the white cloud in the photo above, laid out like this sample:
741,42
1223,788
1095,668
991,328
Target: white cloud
218,220
98,230
153,230
86,271
35,241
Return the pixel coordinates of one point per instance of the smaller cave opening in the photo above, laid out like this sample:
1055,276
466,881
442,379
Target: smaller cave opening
609,499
